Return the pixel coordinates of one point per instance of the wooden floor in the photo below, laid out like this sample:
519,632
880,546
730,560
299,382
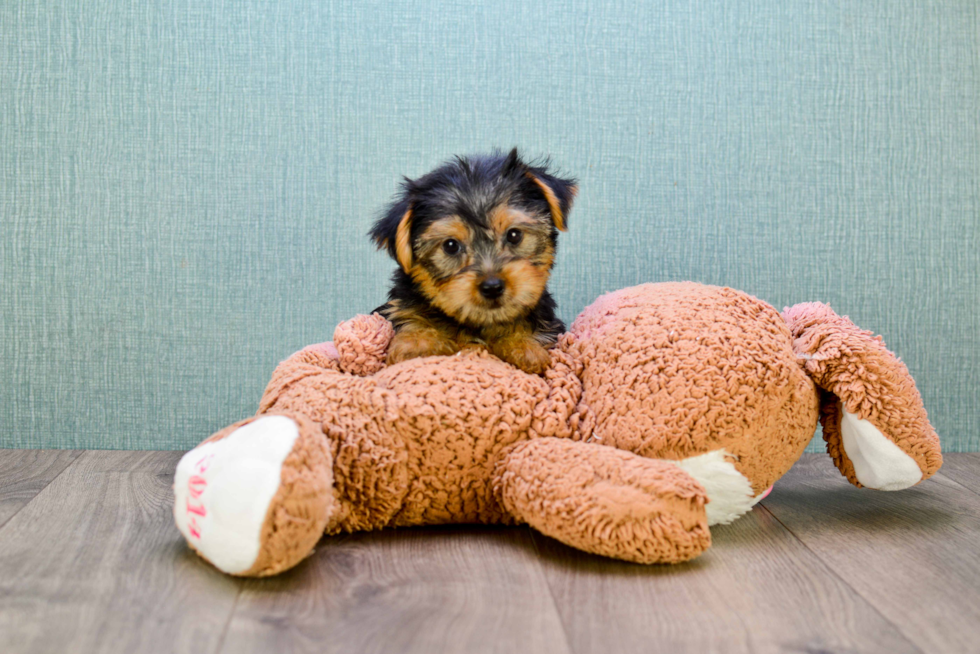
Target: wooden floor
90,562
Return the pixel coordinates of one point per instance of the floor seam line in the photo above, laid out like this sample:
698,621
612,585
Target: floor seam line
43,488
231,616
957,482
844,581
551,592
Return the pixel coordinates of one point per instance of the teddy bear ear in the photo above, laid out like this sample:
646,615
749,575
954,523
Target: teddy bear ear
558,193
393,231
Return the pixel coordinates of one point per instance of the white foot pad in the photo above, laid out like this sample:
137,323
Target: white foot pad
878,462
729,492
222,490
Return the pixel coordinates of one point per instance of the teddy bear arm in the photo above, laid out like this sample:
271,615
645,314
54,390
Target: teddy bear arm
359,349
362,344
603,500
311,361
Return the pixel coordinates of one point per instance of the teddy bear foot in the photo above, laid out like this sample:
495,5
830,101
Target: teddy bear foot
254,498
878,463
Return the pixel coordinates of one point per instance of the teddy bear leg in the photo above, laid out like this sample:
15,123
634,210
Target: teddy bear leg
873,419
862,452
254,498
729,492
604,500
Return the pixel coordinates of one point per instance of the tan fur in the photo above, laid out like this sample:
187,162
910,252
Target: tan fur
460,299
504,217
403,241
556,214
440,230
526,281
432,289
420,338
517,345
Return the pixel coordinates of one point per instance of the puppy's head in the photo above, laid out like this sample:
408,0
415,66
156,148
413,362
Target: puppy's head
477,235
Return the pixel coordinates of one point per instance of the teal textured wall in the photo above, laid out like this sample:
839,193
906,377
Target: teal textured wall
185,187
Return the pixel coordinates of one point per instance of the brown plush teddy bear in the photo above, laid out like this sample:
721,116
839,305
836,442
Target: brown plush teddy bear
667,408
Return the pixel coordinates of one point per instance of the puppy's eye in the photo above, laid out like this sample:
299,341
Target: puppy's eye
451,246
514,236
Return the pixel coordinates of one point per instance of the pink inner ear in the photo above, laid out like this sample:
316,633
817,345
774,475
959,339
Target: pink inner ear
766,493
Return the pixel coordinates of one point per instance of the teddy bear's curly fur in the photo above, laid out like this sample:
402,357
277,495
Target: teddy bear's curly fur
667,408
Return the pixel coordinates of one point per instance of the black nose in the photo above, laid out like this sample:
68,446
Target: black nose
492,288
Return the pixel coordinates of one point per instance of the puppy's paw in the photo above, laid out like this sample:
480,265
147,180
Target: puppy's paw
524,353
421,343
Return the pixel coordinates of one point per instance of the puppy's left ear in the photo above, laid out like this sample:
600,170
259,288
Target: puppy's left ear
393,231
558,193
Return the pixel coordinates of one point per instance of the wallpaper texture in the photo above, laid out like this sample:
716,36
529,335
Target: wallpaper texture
185,187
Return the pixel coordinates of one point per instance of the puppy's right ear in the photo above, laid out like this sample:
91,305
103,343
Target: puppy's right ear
394,230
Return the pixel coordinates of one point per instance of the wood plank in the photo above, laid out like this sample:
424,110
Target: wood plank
94,563
24,473
963,468
757,589
913,554
453,589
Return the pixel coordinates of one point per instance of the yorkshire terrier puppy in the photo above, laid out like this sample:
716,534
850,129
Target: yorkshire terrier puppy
475,243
